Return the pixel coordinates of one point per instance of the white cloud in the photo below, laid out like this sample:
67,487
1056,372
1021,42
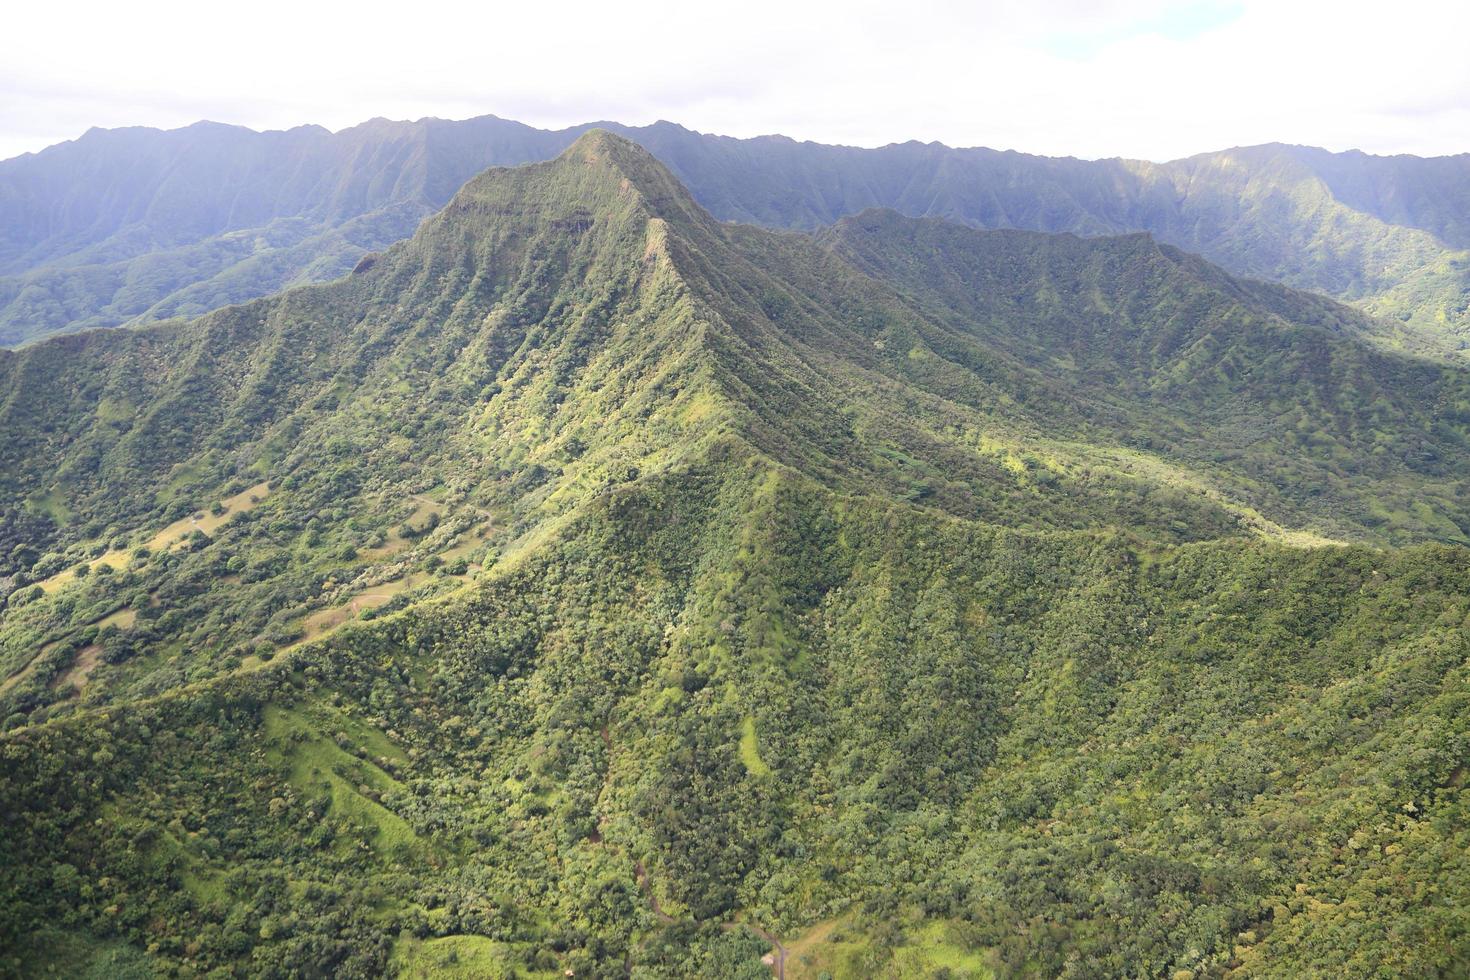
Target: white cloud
1142,78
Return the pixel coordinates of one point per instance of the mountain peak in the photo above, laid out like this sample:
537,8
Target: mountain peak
639,169
603,148
601,177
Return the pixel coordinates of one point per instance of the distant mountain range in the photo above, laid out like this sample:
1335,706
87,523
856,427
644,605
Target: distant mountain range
133,225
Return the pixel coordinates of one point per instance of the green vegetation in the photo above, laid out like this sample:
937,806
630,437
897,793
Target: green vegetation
72,956
459,956
750,752
931,601
924,949
1388,234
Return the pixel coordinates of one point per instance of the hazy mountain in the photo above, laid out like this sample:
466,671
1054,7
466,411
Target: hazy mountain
128,224
588,585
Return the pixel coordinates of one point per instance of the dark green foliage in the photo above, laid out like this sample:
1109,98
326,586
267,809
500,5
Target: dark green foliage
1142,751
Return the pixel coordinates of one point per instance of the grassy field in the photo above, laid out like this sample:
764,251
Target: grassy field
325,620
459,957
418,519
170,536
750,752
318,766
86,659
52,504
929,949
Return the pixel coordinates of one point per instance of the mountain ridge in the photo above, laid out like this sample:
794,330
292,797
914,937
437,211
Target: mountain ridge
1288,225
843,426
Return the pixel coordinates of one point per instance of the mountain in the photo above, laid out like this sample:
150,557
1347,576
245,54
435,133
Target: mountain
585,584
138,224
133,223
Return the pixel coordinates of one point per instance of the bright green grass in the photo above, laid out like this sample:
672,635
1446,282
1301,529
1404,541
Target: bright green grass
458,956
929,949
934,948
52,504
204,883
750,752
378,745
317,764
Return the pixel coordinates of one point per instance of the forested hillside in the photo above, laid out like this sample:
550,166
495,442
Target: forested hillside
587,586
143,225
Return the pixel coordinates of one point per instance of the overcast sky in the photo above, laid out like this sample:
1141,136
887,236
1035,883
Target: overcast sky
1155,79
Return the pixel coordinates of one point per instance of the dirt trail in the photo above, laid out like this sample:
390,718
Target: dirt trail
776,959
647,889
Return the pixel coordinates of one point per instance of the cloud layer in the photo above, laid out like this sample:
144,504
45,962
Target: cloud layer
1139,78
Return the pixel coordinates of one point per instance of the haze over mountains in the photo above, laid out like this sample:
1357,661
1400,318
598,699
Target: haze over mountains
585,584
139,224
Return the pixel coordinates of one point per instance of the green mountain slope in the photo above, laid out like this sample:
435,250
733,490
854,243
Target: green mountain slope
584,584
139,224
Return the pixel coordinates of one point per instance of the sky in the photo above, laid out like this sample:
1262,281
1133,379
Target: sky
1149,79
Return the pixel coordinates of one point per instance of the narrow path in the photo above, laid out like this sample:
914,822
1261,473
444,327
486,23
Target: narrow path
776,958
642,874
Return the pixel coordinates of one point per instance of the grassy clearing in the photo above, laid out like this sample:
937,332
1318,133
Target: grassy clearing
832,948
829,951
206,521
458,956
1135,463
170,536
803,952
75,676
122,619
377,744
469,540
418,519
87,658
325,620
205,884
317,766
750,748
934,948
52,504
115,410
